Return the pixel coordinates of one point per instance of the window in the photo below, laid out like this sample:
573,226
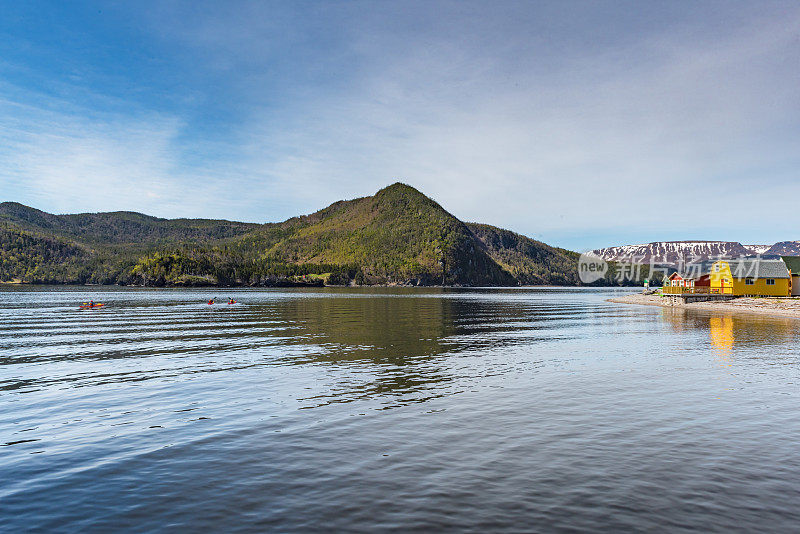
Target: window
770,281
716,268
749,281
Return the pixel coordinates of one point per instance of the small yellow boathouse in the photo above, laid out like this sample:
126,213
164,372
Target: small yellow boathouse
764,277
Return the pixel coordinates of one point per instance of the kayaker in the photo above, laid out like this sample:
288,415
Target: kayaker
91,304
231,301
210,302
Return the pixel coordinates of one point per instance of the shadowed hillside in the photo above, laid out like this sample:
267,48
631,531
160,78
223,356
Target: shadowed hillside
530,262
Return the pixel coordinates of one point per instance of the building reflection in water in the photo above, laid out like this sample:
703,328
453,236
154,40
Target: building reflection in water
725,332
721,331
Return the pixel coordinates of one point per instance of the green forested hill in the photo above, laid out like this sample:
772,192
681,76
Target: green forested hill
120,226
396,236
530,262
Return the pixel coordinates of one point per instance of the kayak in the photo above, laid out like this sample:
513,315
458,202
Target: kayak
88,307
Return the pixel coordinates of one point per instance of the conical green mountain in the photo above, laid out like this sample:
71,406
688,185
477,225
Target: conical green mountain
397,236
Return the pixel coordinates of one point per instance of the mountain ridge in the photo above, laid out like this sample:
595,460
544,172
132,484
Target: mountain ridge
396,236
673,252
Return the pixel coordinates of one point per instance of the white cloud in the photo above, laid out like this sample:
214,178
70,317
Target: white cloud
699,115
80,160
552,124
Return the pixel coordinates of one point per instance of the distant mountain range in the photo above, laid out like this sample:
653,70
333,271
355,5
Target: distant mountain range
672,252
397,236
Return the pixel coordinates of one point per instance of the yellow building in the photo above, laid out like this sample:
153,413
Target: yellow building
751,276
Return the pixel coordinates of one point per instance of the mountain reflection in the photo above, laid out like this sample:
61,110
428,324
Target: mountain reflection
391,330
397,345
392,346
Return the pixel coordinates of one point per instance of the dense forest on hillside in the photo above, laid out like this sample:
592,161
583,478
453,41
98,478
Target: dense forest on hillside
397,236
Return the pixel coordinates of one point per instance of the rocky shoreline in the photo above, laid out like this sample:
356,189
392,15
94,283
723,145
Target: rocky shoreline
772,306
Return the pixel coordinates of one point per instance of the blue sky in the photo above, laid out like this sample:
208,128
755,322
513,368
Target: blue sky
582,124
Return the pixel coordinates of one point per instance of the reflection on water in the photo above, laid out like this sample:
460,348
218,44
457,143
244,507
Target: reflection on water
726,331
403,337
721,331
392,409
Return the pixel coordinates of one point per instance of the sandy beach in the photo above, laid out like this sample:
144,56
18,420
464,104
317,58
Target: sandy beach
772,306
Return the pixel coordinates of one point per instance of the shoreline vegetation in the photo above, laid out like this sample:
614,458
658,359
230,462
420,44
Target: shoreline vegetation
396,237
770,306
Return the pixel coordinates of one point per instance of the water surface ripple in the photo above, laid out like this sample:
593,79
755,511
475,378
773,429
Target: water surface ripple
392,409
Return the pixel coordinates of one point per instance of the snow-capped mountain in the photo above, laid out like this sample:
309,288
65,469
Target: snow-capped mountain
785,248
758,249
693,251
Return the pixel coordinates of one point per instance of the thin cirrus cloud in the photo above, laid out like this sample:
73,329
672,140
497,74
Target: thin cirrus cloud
585,125
70,163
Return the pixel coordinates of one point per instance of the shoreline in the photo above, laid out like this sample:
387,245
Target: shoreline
785,307
284,286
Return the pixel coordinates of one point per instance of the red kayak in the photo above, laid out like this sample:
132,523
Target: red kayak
87,306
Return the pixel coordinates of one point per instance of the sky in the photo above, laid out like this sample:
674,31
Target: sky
581,124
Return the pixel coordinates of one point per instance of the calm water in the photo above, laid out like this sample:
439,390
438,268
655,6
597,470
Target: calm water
324,410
